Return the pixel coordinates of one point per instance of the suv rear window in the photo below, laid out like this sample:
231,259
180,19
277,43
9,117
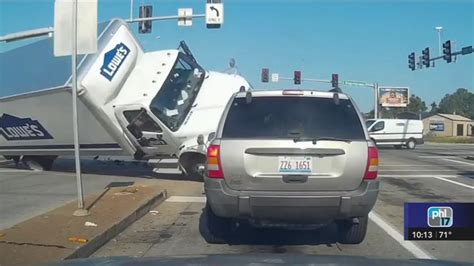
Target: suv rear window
290,117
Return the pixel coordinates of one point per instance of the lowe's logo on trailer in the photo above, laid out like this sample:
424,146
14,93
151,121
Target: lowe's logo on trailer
113,59
15,128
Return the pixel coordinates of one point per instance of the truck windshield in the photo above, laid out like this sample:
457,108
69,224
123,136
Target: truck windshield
175,98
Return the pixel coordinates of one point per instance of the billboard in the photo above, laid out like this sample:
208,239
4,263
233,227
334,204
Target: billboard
393,96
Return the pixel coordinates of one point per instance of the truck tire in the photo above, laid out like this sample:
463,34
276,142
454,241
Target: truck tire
350,232
214,229
411,144
190,161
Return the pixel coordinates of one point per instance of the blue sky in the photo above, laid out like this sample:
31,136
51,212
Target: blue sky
359,40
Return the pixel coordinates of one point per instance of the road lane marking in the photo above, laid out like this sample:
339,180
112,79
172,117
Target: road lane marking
461,162
437,156
186,199
419,176
17,171
410,246
418,165
453,182
419,170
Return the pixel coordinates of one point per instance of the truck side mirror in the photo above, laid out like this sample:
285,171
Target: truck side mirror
211,136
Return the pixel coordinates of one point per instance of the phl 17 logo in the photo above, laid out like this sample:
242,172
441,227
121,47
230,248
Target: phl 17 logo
440,217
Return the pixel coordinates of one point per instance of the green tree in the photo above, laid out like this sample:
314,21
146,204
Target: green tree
416,105
434,108
461,102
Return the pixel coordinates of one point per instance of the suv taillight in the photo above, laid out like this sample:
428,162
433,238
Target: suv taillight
372,163
214,168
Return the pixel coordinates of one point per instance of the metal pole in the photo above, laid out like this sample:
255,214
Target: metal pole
81,211
376,100
439,29
131,10
166,18
439,43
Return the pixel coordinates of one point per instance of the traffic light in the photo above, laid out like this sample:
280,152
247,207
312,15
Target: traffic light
265,75
411,61
425,58
335,81
145,12
447,51
297,77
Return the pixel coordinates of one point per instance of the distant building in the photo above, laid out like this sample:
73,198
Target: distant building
448,125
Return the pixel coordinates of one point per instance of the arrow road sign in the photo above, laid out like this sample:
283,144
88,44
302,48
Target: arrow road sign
214,15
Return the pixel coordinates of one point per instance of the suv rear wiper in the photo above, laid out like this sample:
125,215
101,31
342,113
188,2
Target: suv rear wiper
314,140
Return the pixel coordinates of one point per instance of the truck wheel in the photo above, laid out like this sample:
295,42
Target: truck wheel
411,144
214,229
190,162
350,232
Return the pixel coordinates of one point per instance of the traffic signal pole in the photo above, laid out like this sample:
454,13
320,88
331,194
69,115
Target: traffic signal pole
334,81
165,18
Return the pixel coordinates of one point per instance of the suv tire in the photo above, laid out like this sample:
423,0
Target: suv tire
352,233
213,228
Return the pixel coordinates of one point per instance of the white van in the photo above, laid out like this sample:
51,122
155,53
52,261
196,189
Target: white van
396,132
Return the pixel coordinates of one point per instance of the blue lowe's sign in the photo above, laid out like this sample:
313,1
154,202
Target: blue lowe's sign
113,59
15,128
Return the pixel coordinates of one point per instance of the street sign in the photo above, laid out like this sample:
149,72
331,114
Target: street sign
275,77
357,83
183,20
214,15
86,27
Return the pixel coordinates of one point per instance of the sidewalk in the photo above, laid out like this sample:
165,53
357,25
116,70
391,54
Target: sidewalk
58,235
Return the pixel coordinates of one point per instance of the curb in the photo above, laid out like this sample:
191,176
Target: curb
93,245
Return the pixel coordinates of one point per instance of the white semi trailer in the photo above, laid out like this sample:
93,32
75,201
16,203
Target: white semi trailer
146,104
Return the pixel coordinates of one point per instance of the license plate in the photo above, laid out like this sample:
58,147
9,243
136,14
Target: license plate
290,164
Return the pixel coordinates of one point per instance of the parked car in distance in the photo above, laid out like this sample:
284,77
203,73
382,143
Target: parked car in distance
291,159
396,132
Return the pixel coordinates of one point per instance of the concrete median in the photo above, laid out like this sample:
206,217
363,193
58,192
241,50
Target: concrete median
58,235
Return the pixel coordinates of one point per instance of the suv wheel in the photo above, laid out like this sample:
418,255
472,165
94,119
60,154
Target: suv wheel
411,144
213,228
350,232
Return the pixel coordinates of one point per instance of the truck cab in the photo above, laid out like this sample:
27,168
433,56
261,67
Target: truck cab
147,104
156,103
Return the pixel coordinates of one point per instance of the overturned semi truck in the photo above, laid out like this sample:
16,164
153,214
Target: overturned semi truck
148,105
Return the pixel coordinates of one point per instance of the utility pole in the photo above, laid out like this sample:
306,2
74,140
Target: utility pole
376,100
81,211
439,29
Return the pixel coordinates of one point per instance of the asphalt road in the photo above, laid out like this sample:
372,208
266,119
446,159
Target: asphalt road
433,173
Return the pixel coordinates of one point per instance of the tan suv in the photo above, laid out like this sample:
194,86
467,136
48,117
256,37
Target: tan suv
291,158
